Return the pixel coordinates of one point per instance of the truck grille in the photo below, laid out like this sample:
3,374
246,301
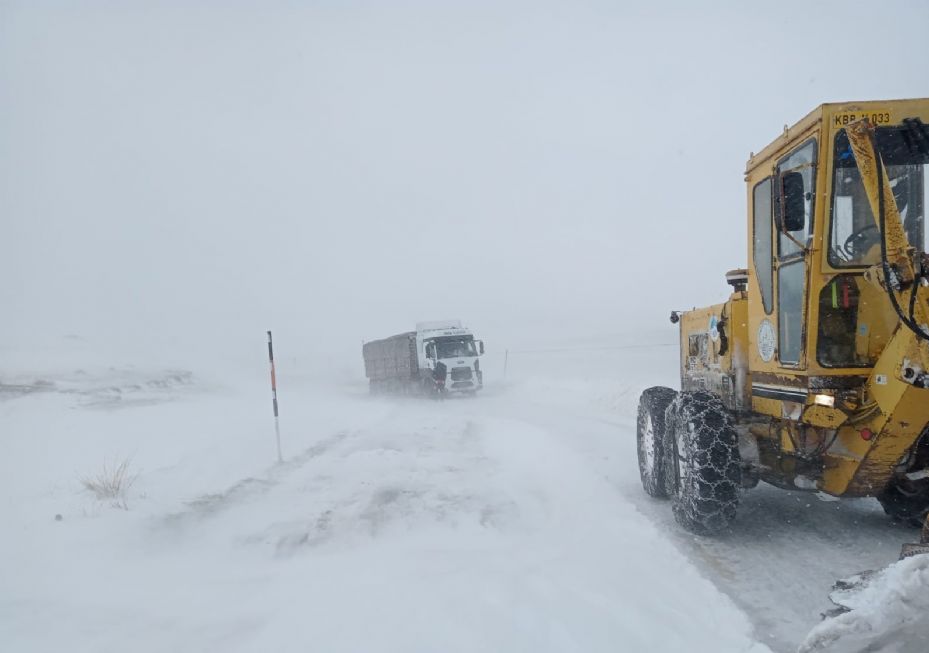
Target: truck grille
461,374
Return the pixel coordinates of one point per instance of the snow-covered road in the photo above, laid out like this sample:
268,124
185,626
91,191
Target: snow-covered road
785,549
510,522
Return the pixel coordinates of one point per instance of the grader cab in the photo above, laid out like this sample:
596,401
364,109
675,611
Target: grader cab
814,374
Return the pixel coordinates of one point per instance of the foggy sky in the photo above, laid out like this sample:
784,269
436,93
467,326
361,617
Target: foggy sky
336,171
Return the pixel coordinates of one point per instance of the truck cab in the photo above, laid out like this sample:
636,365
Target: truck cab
451,355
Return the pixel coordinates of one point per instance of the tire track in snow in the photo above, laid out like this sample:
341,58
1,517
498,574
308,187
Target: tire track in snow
253,487
399,480
412,475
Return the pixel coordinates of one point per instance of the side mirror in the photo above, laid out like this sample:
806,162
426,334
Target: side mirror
793,202
480,346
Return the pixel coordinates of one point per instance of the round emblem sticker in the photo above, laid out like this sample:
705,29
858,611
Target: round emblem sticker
713,330
766,340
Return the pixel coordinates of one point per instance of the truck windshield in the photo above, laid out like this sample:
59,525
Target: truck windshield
455,348
854,238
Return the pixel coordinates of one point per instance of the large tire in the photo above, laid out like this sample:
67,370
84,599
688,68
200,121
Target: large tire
906,504
703,466
650,430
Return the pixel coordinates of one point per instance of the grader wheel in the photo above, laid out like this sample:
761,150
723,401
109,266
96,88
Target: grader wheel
650,434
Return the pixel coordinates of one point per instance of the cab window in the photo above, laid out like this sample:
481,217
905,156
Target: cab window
801,161
842,341
761,250
854,237
791,282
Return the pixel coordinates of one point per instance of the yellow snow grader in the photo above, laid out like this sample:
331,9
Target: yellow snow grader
814,374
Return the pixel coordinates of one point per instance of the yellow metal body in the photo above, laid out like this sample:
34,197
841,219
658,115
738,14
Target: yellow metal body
844,430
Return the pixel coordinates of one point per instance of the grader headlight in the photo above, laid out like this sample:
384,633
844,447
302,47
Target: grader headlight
824,400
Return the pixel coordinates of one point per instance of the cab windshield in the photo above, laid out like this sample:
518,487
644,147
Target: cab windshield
854,241
854,238
455,348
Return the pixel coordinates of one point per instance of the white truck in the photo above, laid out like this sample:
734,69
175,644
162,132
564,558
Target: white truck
436,359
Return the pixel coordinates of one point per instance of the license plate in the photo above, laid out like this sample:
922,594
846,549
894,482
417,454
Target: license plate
874,116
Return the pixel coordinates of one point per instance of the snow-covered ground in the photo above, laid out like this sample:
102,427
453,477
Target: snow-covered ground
509,522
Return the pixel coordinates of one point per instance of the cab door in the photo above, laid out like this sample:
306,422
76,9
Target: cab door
794,195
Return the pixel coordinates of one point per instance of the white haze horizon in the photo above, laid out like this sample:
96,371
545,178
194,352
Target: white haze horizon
177,178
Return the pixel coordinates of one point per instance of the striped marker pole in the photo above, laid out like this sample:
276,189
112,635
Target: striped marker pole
277,426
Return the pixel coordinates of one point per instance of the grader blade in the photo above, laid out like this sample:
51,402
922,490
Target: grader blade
846,591
915,549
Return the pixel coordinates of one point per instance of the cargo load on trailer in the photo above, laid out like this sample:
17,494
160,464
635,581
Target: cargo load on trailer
436,359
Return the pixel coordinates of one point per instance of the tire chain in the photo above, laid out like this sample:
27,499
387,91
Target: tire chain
707,499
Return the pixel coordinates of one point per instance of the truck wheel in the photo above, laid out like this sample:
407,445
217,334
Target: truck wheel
703,466
649,435
906,504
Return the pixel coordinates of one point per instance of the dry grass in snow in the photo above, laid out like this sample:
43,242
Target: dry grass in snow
111,483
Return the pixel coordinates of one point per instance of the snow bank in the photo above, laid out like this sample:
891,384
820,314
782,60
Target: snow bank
888,613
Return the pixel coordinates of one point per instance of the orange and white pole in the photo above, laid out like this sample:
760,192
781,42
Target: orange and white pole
277,427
